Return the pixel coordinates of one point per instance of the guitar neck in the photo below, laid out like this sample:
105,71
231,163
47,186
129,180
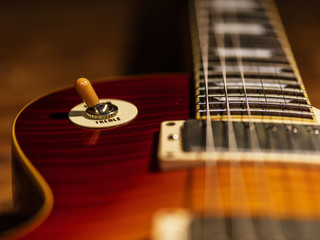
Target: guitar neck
243,64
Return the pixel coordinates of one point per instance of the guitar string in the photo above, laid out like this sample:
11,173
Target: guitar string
254,134
306,168
289,120
232,144
212,189
206,70
236,168
241,227
271,228
274,226
244,226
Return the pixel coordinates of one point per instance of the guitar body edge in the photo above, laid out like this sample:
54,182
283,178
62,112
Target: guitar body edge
32,196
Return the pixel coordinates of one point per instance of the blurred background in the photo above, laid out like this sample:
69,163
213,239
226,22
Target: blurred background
46,45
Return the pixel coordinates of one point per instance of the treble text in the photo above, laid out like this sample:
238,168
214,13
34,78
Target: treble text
108,120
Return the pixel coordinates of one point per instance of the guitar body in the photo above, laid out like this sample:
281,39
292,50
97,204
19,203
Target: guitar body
106,184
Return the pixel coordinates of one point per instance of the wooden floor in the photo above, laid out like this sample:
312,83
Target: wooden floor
48,45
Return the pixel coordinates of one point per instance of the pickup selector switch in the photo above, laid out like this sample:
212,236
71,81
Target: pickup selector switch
99,113
95,109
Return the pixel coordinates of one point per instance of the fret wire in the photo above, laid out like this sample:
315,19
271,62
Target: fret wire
289,90
215,82
249,72
259,107
268,60
251,65
268,30
252,74
269,104
261,110
254,80
286,77
253,95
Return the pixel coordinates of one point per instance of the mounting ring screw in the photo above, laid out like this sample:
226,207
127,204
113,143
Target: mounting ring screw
174,136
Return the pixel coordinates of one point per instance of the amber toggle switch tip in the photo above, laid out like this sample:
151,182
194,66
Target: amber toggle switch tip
86,92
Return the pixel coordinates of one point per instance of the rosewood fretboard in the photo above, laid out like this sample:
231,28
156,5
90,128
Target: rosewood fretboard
243,62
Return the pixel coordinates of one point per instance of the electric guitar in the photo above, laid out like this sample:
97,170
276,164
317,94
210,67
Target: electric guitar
231,153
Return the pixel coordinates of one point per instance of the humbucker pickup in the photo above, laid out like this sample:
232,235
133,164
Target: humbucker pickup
275,137
183,143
